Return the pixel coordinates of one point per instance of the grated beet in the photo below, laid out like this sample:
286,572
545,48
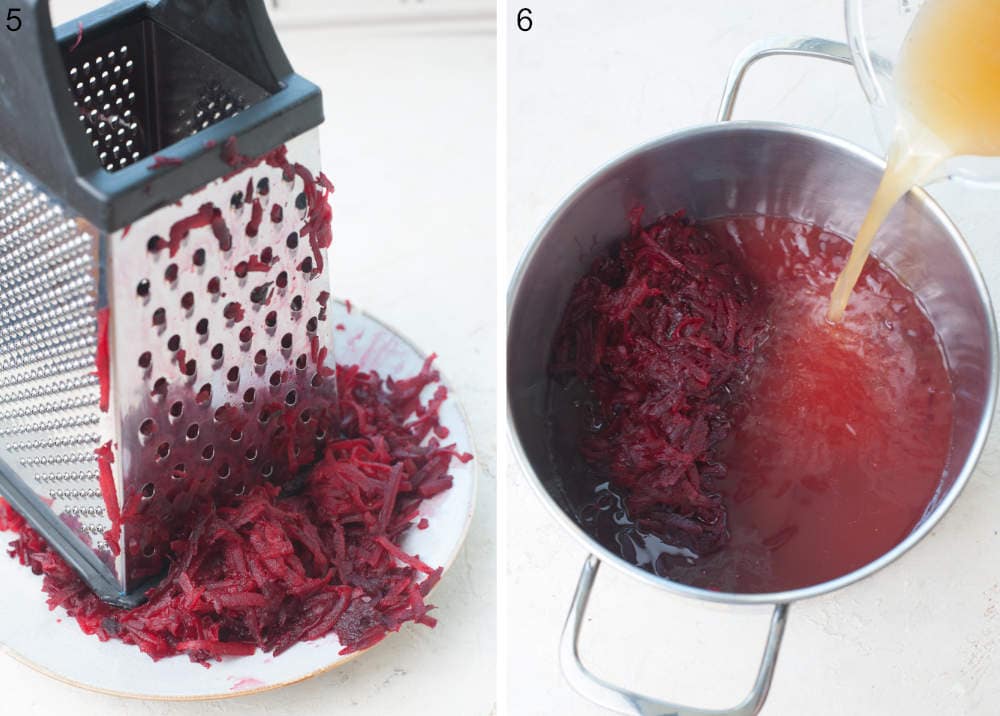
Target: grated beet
279,565
161,162
323,299
255,264
105,457
79,37
207,215
662,332
233,311
256,215
102,358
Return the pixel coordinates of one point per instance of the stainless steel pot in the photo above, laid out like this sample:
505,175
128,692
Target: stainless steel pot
743,168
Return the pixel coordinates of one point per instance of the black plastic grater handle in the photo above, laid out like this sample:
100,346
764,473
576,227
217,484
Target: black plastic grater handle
40,129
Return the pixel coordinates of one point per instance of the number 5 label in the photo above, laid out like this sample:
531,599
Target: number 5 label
14,19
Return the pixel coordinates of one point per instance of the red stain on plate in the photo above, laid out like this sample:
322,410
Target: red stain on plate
246,683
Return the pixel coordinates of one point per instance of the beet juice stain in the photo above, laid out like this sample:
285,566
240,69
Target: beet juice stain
828,447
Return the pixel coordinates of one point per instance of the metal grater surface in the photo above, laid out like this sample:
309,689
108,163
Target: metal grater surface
103,88
48,393
206,328
161,294
141,89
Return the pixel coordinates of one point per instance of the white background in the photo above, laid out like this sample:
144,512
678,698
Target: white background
590,80
409,143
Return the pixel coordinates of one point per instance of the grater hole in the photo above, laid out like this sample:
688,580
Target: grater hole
223,471
163,450
264,187
271,319
148,490
266,255
305,416
275,379
147,427
176,409
142,288
292,398
198,259
264,415
193,431
259,294
300,362
236,435
246,334
145,360
267,470
159,317
236,200
160,388
213,285
260,358
317,379
286,341
241,269
187,301
204,394
307,265
251,454
233,311
174,343
240,490
282,279
292,241
233,376
179,472
191,368
301,201
208,453
217,351
311,325
248,396
296,304
320,433
202,327
171,273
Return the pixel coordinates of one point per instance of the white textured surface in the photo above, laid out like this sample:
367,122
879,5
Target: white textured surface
591,80
409,143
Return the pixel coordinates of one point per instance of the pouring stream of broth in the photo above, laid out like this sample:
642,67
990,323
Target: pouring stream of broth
948,93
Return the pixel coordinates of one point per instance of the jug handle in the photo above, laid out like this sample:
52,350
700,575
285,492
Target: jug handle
628,702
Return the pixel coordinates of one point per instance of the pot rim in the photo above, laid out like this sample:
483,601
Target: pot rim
814,590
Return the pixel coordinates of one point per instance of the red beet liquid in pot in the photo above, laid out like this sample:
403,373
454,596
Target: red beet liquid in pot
835,440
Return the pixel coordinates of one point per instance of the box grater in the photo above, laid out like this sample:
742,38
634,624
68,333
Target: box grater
162,294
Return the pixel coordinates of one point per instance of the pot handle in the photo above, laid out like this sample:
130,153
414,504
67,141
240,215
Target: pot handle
802,46
628,702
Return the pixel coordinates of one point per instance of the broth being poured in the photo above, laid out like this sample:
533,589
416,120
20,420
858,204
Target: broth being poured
947,84
708,424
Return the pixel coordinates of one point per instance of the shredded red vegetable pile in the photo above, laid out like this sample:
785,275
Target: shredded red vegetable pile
662,332
280,565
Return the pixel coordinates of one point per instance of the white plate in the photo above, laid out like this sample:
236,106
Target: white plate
52,643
